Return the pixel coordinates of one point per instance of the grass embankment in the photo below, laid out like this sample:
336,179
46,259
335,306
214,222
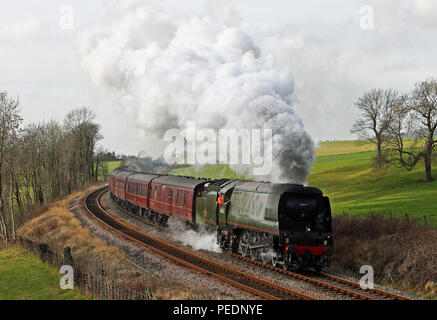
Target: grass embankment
24,276
402,254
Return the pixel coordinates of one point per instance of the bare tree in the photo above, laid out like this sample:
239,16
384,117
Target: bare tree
375,107
85,134
10,122
415,117
42,162
423,104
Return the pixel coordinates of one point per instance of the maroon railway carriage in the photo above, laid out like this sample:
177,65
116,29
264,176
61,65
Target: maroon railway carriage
117,184
166,195
176,196
138,189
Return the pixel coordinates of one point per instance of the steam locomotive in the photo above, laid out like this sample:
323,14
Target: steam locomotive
284,225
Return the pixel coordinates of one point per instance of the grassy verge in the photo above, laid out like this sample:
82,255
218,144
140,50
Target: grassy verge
24,276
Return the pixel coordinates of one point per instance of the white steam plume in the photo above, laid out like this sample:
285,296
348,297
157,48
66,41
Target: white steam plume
197,240
166,70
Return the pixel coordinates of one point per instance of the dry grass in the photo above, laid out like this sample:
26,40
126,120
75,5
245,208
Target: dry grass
400,252
57,226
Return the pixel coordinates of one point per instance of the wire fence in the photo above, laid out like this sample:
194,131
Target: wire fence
98,285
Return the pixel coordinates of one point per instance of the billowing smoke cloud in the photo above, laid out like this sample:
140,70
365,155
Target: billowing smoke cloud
166,71
196,240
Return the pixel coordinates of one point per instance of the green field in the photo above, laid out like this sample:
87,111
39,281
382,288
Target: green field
209,171
23,276
354,187
111,166
343,171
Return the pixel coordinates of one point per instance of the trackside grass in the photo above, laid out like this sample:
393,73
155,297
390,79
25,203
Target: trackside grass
24,276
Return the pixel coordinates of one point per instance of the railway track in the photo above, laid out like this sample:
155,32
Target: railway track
334,283
322,280
257,286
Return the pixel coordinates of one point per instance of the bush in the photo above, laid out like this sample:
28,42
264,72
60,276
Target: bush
400,251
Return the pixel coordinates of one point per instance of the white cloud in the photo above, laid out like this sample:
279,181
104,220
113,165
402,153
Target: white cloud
20,30
425,11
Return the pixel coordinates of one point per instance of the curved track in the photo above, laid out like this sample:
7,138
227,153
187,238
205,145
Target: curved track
323,280
260,287
334,283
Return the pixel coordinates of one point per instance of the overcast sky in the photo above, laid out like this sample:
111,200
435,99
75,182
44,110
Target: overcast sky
333,58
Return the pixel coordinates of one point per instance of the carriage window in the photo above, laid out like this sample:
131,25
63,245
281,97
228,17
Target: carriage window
183,198
170,195
177,197
156,191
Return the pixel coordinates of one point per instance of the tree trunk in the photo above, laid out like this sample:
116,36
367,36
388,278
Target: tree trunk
428,162
11,199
